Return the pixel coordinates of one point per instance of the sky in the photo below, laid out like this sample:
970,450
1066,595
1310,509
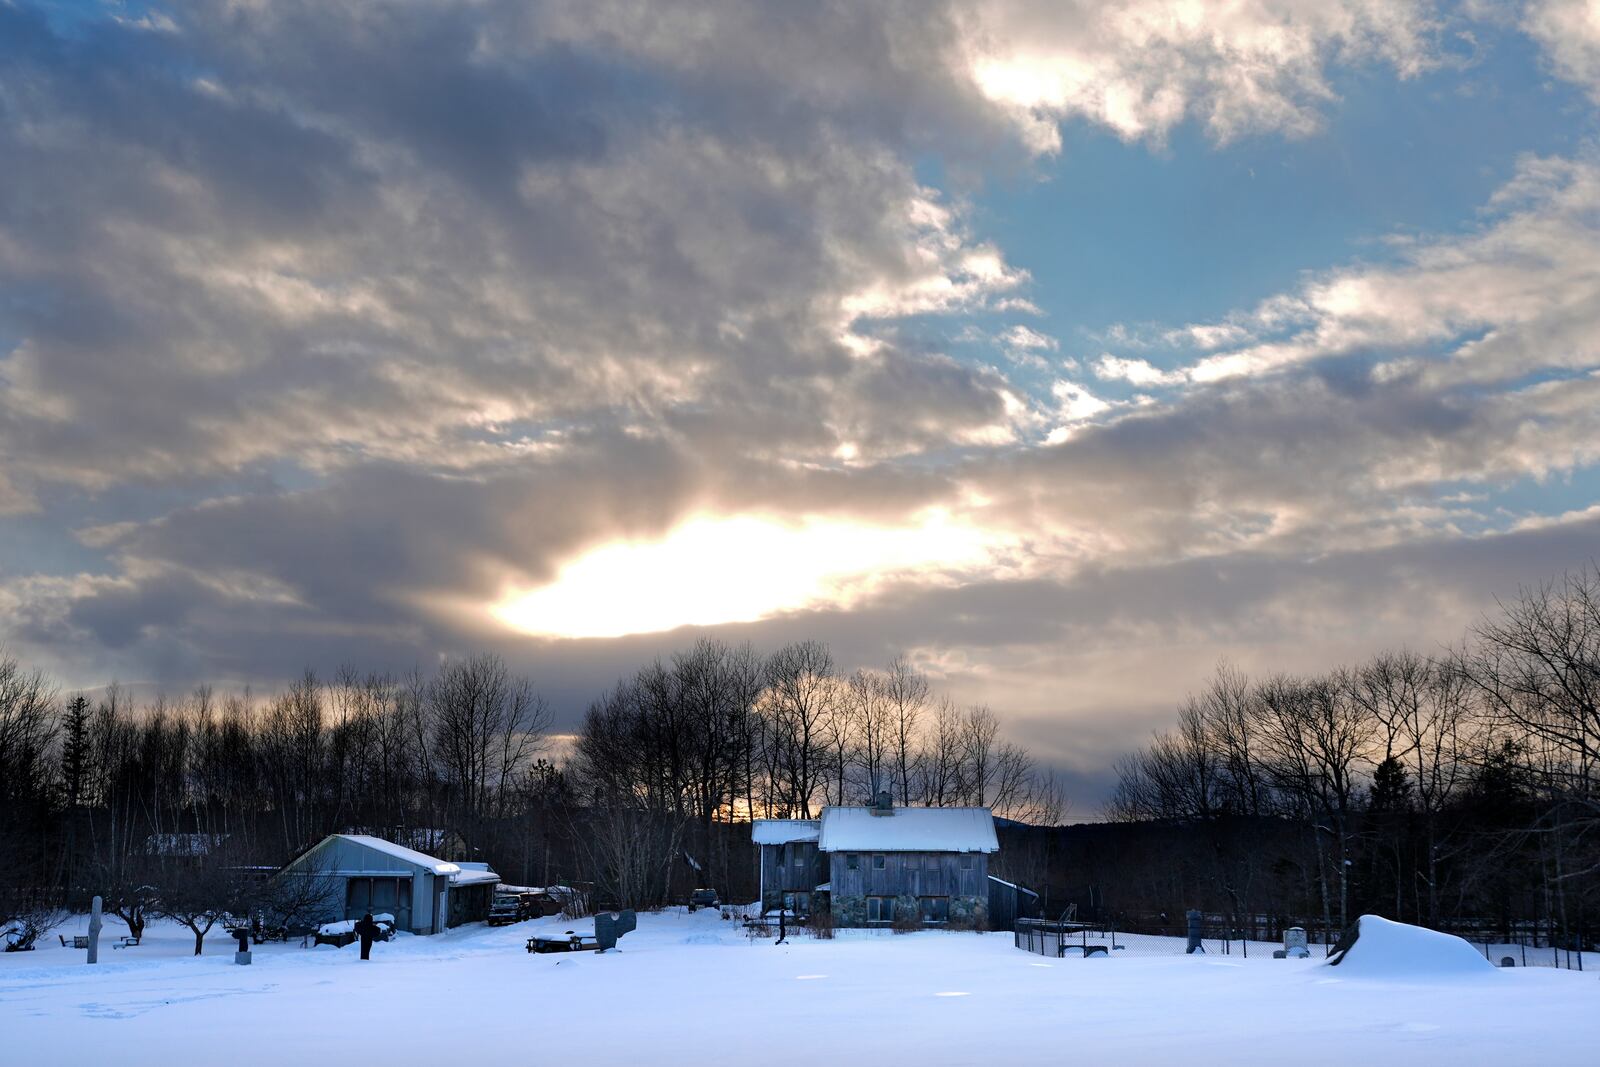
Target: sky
1063,348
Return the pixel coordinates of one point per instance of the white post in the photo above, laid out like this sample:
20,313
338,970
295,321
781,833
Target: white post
94,931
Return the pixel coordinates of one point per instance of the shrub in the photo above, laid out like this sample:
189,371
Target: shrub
822,924
907,915
968,913
31,918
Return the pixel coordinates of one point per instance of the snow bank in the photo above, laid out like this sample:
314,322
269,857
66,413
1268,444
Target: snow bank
348,926
1377,947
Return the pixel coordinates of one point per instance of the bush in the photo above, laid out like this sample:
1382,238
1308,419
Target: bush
822,925
31,919
968,913
907,915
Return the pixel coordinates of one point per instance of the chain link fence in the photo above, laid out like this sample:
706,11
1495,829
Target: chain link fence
1157,936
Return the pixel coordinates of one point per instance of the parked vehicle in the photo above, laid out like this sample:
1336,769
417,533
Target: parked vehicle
507,908
703,898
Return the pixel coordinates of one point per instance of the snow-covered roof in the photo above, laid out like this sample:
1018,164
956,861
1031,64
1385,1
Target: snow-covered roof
475,876
400,852
908,830
784,831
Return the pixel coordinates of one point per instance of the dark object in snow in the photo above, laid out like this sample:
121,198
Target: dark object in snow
1194,918
368,931
342,933
607,929
703,898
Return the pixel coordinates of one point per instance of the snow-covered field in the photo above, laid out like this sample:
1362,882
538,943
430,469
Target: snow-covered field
690,989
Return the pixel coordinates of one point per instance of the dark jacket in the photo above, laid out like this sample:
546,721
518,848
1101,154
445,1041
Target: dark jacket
366,929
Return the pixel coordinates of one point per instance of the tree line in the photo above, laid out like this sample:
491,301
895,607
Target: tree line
1460,788
183,807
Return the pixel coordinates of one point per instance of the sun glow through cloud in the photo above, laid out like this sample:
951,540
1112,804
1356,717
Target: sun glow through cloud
710,571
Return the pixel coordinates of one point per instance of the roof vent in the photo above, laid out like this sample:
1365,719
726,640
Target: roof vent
884,804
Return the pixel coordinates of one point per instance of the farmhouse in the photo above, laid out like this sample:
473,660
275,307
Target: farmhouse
368,874
869,865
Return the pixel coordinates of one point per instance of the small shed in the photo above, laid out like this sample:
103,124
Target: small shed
425,894
1009,902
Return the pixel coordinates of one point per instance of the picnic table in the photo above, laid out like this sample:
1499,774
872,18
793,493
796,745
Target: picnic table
567,941
78,941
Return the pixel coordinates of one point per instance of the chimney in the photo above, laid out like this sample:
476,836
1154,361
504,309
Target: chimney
884,804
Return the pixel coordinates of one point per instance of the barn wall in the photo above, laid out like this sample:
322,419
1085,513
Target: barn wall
908,874
781,873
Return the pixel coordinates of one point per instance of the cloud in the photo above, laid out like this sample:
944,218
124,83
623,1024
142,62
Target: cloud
1133,371
1569,32
1026,339
1516,294
1141,67
331,327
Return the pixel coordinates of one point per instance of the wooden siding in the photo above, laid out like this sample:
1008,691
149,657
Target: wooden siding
781,874
914,874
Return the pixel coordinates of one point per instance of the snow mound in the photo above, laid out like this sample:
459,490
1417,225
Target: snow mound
1378,947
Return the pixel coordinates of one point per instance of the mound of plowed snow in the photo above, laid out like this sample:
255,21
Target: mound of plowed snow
1377,948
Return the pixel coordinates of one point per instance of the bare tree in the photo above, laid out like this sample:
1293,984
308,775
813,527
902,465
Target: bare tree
487,726
799,701
906,691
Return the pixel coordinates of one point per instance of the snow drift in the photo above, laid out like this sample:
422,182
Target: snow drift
1379,947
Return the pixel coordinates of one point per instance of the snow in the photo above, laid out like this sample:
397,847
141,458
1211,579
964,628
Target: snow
400,852
1013,885
784,831
348,926
474,878
908,830
694,989
1383,947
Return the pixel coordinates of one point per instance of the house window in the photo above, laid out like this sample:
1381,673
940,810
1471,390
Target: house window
852,862
877,862
797,903
932,863
935,909
799,858
880,909
966,861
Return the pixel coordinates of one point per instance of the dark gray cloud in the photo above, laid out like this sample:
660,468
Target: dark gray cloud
323,325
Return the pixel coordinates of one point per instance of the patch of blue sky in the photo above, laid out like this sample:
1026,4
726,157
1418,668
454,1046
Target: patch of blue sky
37,537
1494,507
1128,233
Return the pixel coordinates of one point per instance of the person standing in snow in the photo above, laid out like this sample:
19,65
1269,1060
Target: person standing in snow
367,931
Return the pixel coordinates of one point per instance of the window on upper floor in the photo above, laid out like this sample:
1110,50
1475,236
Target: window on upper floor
877,862
852,862
966,861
